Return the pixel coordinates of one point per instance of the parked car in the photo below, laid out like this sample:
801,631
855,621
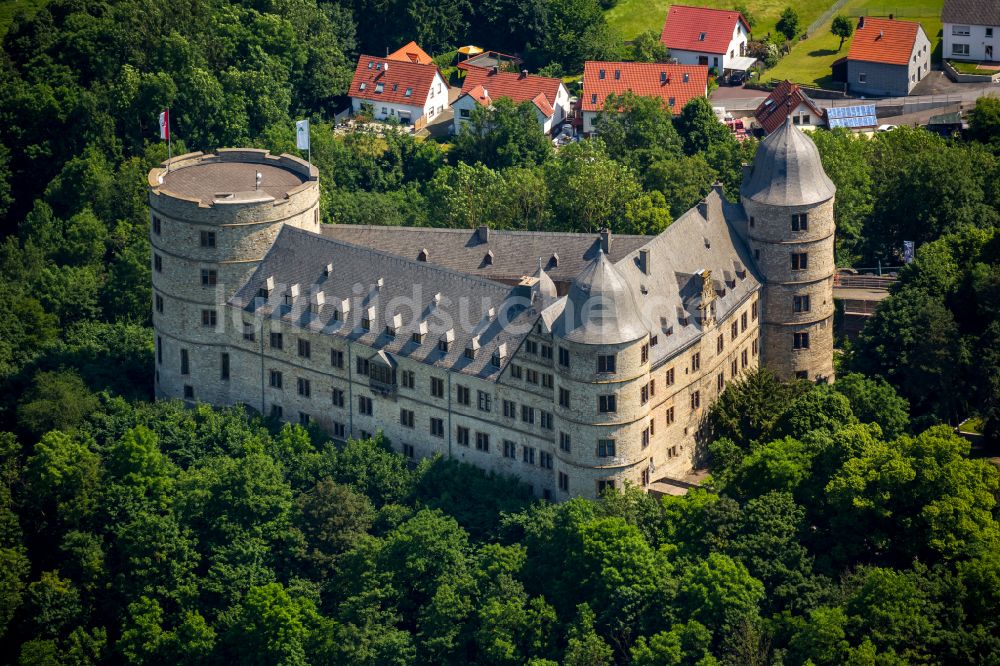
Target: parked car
738,78
886,128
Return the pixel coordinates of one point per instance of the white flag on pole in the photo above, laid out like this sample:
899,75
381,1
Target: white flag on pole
165,125
302,134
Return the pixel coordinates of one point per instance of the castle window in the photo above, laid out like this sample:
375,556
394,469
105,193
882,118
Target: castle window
565,444
528,455
644,394
743,322
734,330
802,374
248,332
564,482
188,392
605,448
564,357
336,358
546,419
365,405
800,222
462,436
645,437
696,362
607,404
563,397
654,339
209,318
362,366
337,397
409,379
800,261
276,411
304,419
605,484
753,310
545,460
443,346
734,368
531,376
531,346
483,442
528,414
510,409
546,380
277,340
157,263
437,427
644,353
156,225
437,387
755,346
159,350
670,415
417,337
208,239
547,352
719,344
696,400
670,377
224,366
305,348
720,382
463,396
743,359
752,222
644,479
159,303
185,365
339,430
408,450
304,387
800,303
515,371
485,401
274,378
509,449
800,340
209,277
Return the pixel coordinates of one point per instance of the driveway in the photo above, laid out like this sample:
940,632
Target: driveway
936,83
726,93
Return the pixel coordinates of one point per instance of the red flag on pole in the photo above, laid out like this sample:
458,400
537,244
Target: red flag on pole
165,125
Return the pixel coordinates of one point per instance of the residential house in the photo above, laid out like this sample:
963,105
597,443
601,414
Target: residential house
971,29
483,86
702,36
411,53
788,99
887,57
675,85
491,59
413,93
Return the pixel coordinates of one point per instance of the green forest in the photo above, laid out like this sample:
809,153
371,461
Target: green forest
841,524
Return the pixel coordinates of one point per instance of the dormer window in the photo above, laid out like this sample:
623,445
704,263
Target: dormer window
370,65
663,77
701,37
379,87
600,75
445,342
687,77
671,102
593,98
408,93
363,85
618,74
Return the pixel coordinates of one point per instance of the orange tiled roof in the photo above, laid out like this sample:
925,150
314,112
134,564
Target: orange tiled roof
884,40
785,97
480,94
518,87
379,79
685,26
644,79
411,53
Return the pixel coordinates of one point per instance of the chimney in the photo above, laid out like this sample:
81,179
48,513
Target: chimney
606,240
644,261
890,17
703,208
861,22
483,233
718,188
495,69
524,73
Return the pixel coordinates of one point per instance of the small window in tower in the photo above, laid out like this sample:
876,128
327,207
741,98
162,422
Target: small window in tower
800,222
208,239
800,261
800,340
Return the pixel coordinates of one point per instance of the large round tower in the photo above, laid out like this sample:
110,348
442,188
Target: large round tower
602,363
788,200
213,217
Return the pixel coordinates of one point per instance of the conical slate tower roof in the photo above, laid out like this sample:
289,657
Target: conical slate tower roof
600,308
787,170
545,286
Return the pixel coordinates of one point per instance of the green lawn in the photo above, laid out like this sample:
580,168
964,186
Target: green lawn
631,17
10,7
810,60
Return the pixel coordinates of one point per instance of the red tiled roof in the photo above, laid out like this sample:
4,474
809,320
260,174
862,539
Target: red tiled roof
395,80
887,41
685,25
543,105
644,79
516,87
411,53
480,94
785,97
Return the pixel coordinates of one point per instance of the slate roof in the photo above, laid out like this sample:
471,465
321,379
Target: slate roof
515,253
399,77
212,176
518,87
883,40
299,257
971,12
411,53
600,308
680,83
787,170
685,26
489,59
672,290
785,97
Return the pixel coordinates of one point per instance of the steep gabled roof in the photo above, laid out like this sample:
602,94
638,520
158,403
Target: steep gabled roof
411,53
887,41
479,94
971,12
518,87
700,28
395,77
785,97
680,83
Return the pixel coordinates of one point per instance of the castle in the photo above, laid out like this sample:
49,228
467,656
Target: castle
573,361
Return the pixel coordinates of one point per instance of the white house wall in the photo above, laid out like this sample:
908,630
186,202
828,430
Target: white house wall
979,38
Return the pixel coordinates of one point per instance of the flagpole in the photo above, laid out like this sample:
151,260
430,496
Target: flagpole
170,139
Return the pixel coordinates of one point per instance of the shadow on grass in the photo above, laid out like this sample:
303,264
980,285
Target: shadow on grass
819,53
